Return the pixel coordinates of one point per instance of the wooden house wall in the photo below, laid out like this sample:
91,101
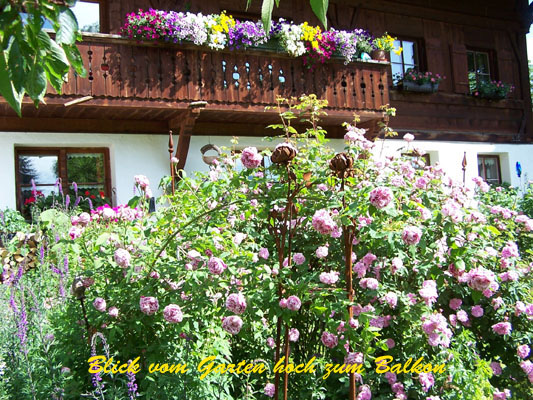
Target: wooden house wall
445,28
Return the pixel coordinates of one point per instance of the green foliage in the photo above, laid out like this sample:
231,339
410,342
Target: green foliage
12,221
29,57
231,213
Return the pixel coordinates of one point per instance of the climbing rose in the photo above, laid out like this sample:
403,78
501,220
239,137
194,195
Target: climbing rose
426,380
329,278
294,334
380,197
369,283
353,358
496,368
411,235
142,181
113,312
99,304
523,351
477,311
232,324
149,305
122,258
270,389
172,313
480,278
364,393
263,253
294,303
236,303
323,222
502,328
298,258
408,137
511,250
250,158
429,292
322,252
216,265
455,304
329,339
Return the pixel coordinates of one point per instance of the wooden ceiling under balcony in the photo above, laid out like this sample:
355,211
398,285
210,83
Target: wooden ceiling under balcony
140,88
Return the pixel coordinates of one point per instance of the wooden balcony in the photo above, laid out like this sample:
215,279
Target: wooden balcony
151,83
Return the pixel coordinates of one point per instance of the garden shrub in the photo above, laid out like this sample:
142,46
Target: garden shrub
241,256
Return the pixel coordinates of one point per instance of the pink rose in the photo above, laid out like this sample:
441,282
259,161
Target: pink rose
232,324
99,304
263,253
323,222
380,197
477,311
113,312
455,304
173,314
270,389
250,158
149,305
411,235
294,335
408,137
216,265
236,303
322,252
122,258
502,328
480,278
294,303
329,339
329,278
523,351
298,258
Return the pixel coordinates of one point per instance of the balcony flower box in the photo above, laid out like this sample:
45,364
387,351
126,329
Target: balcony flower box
494,90
426,87
421,82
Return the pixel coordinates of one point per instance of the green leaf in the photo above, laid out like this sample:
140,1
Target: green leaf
74,57
494,230
68,27
36,83
266,14
7,90
55,56
17,65
460,265
320,8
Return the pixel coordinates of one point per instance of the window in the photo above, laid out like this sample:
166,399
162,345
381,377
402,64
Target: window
49,167
489,168
88,15
408,59
415,160
478,68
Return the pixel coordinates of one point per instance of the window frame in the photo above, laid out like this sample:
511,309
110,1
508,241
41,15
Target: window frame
491,59
104,21
498,164
61,153
420,55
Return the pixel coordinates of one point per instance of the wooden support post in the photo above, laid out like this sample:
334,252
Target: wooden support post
185,125
171,152
348,246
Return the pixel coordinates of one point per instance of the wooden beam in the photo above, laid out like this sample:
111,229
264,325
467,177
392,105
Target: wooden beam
16,124
185,125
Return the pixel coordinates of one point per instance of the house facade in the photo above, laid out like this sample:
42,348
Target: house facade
114,123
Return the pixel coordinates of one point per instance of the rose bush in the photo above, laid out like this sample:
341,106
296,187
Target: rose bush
238,260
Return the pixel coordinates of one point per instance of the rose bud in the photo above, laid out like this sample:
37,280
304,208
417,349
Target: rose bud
283,153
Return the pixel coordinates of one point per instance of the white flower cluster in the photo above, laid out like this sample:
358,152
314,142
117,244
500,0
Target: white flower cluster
291,38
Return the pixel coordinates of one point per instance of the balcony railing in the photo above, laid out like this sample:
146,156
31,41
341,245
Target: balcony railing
118,68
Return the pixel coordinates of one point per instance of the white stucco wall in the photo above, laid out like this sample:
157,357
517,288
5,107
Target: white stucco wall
147,154
129,155
448,154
